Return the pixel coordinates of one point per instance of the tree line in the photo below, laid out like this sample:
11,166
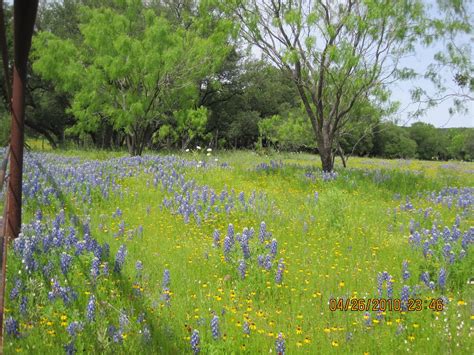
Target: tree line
175,74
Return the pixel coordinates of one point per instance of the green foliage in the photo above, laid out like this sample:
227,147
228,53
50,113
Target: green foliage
5,124
130,70
429,141
289,131
393,141
191,124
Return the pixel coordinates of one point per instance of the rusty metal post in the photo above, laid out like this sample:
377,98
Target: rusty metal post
24,16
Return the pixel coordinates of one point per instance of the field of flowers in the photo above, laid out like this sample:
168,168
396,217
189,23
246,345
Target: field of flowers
240,253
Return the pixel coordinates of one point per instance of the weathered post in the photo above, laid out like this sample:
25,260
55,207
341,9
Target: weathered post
24,15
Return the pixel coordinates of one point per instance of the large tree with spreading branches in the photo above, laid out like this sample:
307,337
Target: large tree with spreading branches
340,54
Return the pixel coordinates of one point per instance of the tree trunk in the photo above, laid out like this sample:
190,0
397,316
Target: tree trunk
326,159
132,145
324,141
341,154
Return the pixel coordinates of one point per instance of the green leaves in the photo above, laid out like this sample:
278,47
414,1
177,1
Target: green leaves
131,68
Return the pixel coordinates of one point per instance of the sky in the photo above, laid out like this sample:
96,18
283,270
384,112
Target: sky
438,116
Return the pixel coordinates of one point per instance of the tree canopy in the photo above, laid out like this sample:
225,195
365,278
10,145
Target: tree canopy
309,75
132,70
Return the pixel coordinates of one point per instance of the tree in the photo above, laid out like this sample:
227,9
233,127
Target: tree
430,141
451,70
289,130
392,141
242,93
338,53
131,69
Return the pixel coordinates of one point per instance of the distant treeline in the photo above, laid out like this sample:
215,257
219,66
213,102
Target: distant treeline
83,91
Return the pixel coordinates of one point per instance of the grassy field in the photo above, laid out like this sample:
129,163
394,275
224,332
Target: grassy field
168,254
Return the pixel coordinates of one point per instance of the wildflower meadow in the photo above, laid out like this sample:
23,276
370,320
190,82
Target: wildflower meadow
220,253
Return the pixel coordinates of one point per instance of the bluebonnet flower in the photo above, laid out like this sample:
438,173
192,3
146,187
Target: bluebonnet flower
39,215
117,213
368,319
120,258
121,231
279,272
74,327
467,238
227,247
446,234
139,267
71,239
195,342
230,232
425,277
67,294
91,308
405,295
70,348
166,279
280,345
80,247
268,262
262,232
380,280
216,239
457,221
415,238
98,251
242,198
95,265
427,212
442,278
123,321
215,327
12,327
426,249
405,272
447,250
16,289
389,287
329,175
260,260
246,328
242,268
310,175
244,244
23,305
273,247
105,269
117,337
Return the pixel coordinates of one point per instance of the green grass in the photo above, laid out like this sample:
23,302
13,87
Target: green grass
334,247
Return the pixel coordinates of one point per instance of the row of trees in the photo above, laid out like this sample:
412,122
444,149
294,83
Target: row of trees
379,139
171,73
